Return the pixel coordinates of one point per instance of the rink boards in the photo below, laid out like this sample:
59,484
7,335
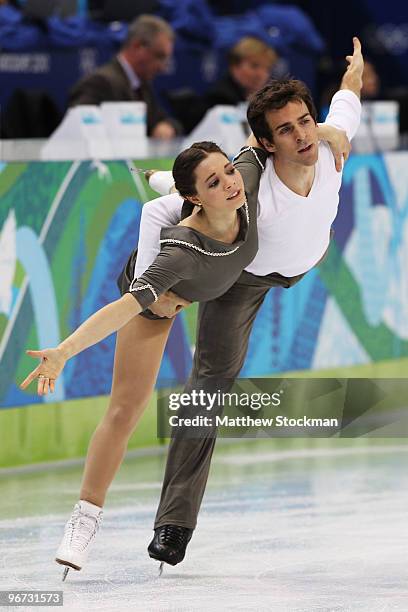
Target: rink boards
68,227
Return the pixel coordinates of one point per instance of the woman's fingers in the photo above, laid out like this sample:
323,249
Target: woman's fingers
37,354
46,372
30,378
42,381
45,385
35,372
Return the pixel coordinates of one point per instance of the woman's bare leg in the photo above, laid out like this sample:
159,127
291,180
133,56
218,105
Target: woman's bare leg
139,350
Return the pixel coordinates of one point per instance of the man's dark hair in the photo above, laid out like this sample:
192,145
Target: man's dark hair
274,96
186,163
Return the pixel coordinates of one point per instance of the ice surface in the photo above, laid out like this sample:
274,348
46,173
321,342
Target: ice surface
310,529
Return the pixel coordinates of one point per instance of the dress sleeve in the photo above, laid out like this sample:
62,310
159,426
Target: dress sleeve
172,264
250,161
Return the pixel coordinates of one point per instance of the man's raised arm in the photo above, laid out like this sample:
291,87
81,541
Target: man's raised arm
353,77
345,107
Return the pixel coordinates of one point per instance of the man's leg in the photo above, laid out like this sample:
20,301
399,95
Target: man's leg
224,327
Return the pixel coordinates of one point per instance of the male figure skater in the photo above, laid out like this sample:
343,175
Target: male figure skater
300,180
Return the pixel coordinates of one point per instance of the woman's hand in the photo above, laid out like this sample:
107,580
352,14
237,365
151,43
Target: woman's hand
98,326
338,142
51,366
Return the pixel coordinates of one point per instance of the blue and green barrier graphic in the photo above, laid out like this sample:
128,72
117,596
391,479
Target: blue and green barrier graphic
66,229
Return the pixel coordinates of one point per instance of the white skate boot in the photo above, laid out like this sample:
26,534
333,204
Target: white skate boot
79,533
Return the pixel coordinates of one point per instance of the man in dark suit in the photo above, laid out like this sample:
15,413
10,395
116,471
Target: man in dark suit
144,54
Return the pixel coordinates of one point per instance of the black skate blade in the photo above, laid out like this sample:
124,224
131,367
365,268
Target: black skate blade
161,568
65,574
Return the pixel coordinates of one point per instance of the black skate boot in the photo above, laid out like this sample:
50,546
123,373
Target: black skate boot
169,543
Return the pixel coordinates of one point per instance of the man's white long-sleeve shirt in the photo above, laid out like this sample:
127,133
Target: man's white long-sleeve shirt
293,230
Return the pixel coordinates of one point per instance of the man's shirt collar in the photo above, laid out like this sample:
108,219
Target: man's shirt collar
130,73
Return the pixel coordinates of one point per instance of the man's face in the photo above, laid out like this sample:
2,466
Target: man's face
294,134
252,73
152,59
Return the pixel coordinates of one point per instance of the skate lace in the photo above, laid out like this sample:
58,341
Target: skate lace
172,535
81,528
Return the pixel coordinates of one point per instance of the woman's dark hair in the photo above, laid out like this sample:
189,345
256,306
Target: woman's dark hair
274,96
186,163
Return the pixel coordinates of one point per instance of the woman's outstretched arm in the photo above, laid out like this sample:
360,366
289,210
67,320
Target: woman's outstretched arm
102,323
170,266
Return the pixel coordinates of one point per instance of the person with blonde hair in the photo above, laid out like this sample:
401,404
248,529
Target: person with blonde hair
250,63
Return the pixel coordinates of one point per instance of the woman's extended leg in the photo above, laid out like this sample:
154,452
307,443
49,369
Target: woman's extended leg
139,350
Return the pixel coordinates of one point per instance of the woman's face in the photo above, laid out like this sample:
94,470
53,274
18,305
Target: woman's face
218,184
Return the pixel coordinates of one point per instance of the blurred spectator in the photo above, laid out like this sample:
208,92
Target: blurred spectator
145,53
250,62
371,88
121,10
14,3
29,114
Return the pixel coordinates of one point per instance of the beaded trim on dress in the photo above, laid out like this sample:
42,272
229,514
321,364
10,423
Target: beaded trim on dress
203,251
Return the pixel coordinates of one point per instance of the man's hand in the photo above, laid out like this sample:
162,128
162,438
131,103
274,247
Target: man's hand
168,305
163,131
353,77
338,142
